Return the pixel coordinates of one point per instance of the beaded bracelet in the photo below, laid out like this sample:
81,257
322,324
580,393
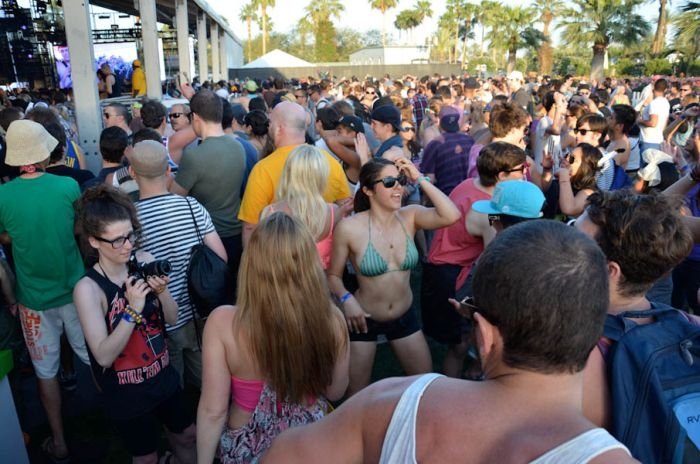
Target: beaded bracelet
132,313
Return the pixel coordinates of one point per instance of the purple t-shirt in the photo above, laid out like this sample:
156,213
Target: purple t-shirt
447,157
694,204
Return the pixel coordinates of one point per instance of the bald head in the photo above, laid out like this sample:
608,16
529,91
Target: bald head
288,124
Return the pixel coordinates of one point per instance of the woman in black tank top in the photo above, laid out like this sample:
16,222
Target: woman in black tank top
123,314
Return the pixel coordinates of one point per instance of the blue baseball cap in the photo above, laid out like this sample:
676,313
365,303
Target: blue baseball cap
517,198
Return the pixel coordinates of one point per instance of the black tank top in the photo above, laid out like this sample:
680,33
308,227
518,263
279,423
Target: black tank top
141,376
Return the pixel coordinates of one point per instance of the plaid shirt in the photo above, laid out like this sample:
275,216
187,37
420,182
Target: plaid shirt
420,103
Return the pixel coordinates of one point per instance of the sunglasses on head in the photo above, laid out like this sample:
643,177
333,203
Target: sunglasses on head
390,181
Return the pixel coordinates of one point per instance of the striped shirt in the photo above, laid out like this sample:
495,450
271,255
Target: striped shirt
169,233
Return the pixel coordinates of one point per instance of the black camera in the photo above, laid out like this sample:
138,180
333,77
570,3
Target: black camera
158,267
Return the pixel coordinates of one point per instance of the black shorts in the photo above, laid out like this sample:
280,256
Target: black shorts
440,320
393,330
141,434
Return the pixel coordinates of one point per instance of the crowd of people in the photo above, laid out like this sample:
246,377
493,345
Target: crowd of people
350,213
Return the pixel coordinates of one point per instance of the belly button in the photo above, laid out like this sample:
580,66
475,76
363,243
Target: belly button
391,305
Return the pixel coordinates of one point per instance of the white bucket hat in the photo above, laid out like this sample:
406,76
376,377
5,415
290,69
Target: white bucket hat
28,143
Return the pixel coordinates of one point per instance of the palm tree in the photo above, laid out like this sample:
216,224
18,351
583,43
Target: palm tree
600,23
513,22
383,6
319,13
488,17
264,5
548,10
468,14
304,28
248,15
687,26
661,25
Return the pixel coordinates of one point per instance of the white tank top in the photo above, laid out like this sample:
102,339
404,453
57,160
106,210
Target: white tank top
400,440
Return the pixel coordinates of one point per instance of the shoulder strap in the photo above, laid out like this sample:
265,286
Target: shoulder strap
194,221
617,325
332,219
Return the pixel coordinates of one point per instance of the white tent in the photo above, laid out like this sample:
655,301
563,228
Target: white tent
277,59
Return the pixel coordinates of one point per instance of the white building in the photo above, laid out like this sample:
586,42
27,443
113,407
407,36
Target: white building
407,54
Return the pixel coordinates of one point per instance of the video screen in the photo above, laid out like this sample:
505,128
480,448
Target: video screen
119,56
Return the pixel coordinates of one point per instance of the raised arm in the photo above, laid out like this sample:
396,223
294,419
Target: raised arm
442,214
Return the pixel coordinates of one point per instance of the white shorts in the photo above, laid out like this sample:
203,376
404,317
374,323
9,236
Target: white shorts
42,333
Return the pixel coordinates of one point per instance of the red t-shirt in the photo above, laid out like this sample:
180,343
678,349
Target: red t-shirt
453,244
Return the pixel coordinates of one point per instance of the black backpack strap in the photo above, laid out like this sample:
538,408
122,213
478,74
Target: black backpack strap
194,313
194,221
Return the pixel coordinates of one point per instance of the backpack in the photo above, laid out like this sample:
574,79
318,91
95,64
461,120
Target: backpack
654,377
620,179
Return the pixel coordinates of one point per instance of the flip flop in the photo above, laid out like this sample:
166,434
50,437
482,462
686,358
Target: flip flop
47,447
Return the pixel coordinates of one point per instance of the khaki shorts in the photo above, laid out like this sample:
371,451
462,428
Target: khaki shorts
42,333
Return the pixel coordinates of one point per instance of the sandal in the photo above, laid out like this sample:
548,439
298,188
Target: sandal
47,446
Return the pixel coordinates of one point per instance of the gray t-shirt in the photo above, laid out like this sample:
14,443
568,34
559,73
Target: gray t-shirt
212,173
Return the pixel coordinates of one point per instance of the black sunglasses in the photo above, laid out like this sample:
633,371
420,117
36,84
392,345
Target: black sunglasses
583,131
407,129
467,308
119,241
521,168
106,115
390,182
177,115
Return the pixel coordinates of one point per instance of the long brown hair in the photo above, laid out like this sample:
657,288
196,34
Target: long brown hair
285,311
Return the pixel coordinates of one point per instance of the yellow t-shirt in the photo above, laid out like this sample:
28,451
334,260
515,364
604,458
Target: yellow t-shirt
138,82
263,179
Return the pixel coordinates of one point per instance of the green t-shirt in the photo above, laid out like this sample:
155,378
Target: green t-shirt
212,173
38,215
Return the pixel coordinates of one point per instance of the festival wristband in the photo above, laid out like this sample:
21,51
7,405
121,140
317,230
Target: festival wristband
425,178
346,296
128,318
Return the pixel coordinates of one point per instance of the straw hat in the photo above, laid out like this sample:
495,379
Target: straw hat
28,143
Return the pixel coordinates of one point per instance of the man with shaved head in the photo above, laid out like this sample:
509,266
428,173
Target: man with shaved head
287,127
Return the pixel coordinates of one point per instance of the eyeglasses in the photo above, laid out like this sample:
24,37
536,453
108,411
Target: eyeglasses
177,115
494,218
520,168
390,182
583,131
119,241
407,129
300,96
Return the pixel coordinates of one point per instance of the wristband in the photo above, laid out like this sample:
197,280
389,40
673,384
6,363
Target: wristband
346,296
127,317
425,178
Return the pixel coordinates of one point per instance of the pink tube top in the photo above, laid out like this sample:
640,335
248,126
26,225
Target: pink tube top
246,393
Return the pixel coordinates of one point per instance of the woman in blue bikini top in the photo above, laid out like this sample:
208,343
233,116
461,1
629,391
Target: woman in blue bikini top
378,241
